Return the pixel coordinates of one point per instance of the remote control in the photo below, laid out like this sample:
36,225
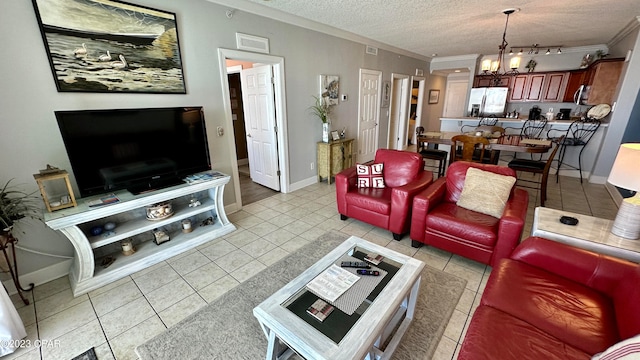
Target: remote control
368,272
356,264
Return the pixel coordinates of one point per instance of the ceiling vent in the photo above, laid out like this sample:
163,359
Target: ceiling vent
252,43
371,50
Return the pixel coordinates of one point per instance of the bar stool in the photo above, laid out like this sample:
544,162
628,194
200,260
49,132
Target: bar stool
432,154
577,135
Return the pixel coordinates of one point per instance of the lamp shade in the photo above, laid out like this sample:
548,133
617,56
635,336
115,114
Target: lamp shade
625,172
486,65
514,63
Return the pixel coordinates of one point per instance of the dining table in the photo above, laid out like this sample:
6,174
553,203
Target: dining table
505,142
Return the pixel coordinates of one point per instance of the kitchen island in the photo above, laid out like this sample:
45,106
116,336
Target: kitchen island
589,155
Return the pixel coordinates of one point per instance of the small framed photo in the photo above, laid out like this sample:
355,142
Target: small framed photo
335,135
434,96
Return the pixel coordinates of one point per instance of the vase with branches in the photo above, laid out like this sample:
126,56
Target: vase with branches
321,109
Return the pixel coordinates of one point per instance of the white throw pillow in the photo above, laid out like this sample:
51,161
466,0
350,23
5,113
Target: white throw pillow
370,176
486,192
628,349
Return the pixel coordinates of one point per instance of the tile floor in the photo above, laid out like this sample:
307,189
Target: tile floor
118,317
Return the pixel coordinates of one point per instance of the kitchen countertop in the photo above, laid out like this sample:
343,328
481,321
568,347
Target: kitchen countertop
513,121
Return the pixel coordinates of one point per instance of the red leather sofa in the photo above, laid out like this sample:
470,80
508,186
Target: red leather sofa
388,208
554,301
439,222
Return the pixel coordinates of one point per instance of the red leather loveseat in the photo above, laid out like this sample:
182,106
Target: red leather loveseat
554,301
389,207
438,221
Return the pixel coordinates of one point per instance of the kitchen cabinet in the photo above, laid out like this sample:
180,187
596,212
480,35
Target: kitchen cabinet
575,79
602,82
554,84
487,81
527,87
538,87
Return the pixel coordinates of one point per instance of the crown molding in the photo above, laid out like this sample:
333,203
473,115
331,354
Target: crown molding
274,14
628,29
468,57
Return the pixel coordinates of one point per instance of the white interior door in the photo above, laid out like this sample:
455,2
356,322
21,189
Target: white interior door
260,125
455,97
399,112
368,114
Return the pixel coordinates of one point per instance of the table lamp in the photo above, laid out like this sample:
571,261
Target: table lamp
626,174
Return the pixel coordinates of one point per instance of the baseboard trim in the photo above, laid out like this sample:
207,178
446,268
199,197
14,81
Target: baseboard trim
41,276
304,183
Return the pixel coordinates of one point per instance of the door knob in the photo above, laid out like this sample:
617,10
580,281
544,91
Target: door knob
248,135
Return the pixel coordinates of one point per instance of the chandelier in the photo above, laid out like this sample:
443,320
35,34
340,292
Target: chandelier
493,68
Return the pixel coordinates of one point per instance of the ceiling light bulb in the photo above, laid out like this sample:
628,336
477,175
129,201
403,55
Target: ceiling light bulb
559,51
511,52
520,52
548,52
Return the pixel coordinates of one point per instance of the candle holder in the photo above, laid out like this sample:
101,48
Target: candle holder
127,247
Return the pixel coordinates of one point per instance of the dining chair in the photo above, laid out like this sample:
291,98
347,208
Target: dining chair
539,168
490,121
468,148
431,153
531,129
578,134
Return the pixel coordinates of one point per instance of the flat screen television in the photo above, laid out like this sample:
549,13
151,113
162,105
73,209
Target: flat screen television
135,149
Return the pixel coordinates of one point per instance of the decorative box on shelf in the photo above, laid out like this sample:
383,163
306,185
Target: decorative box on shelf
55,194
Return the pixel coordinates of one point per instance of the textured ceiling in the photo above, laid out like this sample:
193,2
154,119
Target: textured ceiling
459,27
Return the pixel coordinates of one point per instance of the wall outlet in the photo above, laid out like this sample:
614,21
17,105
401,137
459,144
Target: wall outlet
311,165
220,131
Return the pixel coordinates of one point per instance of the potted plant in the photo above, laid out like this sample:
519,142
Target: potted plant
322,110
15,204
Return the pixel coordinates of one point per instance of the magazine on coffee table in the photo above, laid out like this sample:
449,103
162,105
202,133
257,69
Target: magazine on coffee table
332,283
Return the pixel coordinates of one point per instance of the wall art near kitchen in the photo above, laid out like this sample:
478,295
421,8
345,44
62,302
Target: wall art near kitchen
329,85
110,46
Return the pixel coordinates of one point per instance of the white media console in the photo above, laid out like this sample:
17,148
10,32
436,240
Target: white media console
129,214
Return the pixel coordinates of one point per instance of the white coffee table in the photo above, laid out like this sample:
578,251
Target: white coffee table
393,306
591,233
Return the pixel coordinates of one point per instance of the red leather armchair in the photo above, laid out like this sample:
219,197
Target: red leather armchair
388,208
554,301
439,222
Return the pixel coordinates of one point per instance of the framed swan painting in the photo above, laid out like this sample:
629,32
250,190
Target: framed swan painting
110,46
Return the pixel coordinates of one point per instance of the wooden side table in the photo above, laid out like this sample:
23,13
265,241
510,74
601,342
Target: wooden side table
334,157
591,233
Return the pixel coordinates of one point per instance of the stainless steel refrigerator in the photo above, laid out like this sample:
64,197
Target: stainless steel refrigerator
488,101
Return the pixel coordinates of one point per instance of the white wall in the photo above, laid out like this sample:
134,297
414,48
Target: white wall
629,89
28,98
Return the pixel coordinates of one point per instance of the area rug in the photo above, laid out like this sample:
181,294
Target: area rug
227,329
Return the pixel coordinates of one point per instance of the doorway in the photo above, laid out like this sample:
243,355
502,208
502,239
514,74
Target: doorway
250,190
276,65
399,111
415,111
455,98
